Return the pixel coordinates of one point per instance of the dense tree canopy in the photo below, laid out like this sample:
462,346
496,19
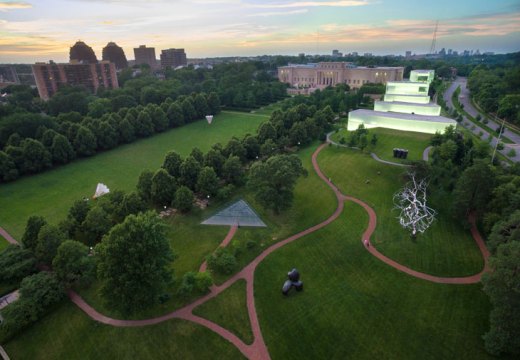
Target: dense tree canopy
134,263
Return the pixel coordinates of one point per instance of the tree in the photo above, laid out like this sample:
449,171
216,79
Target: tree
222,261
41,290
61,150
99,107
49,239
79,210
273,181
175,115
172,164
73,265
144,185
415,214
183,199
213,104
188,110
97,223
251,146
8,169
48,137
35,156
504,232
473,189
189,172
201,105
197,154
232,171
131,204
235,148
107,136
85,142
134,262
215,160
159,118
207,181
126,131
16,263
163,187
143,125
501,285
32,229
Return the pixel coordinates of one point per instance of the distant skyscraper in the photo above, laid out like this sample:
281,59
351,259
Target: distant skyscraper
408,53
144,55
450,51
49,77
81,52
173,58
115,54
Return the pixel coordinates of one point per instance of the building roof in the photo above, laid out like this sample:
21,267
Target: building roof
430,104
402,116
418,83
423,71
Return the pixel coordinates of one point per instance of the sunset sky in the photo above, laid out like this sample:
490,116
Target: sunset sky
39,30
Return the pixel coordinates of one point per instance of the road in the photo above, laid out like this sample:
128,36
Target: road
468,124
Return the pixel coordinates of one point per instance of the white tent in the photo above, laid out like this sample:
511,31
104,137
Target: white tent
101,190
209,118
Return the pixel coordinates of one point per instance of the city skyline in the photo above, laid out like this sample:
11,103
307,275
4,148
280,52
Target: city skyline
43,30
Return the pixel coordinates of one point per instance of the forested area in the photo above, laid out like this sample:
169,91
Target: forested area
461,174
496,89
37,135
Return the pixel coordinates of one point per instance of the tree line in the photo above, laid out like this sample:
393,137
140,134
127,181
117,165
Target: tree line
496,89
461,174
35,143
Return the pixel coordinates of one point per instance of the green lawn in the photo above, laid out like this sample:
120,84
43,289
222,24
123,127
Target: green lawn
388,139
229,310
68,333
50,194
356,307
3,243
446,249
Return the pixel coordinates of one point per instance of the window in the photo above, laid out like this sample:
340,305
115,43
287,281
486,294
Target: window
422,89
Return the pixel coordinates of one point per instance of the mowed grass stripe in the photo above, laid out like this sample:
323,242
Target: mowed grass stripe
51,194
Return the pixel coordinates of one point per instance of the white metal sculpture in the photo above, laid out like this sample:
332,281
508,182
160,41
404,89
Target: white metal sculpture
209,118
411,201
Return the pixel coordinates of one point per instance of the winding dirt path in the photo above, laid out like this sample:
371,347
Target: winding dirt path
258,349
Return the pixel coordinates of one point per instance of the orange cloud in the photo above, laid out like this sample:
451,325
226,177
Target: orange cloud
6,6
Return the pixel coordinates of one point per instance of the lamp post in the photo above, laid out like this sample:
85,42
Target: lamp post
499,136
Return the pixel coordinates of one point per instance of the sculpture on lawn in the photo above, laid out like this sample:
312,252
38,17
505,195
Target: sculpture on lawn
209,118
294,281
411,201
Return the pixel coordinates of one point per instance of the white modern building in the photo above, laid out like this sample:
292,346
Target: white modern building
406,107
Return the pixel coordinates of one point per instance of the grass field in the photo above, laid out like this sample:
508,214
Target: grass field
356,307
50,194
3,243
446,249
68,333
388,139
235,317
192,242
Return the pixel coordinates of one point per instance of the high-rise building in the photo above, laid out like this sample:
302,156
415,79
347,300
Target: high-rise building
173,58
49,77
82,53
115,54
8,75
408,54
145,55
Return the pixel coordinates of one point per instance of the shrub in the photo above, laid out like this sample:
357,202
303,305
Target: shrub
203,281
222,261
511,153
500,146
16,263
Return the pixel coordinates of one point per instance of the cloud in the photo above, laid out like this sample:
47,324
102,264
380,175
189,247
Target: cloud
294,4
6,6
279,13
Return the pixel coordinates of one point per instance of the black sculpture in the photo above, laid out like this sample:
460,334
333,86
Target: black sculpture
294,280
400,153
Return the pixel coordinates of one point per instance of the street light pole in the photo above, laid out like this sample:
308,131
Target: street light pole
499,136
